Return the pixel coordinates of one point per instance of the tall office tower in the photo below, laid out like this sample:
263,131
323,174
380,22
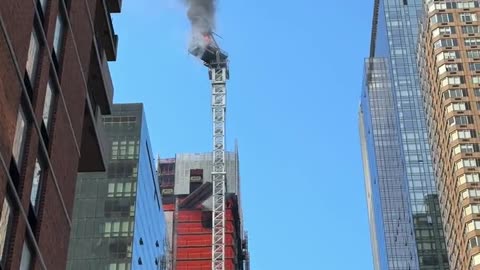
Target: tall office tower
118,219
54,87
450,69
186,187
403,206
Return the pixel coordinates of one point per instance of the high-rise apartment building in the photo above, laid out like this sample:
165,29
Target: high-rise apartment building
404,212
118,218
449,58
186,187
54,87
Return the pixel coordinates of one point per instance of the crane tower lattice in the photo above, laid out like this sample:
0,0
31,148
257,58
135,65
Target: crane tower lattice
217,62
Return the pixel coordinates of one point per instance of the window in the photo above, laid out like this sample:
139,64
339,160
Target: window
476,92
452,80
448,30
468,17
114,149
469,193
471,209
43,5
473,225
33,57
470,29
455,93
470,4
447,55
121,189
58,35
441,18
462,134
449,67
460,120
125,149
475,259
19,140
468,178
117,121
473,54
434,6
131,150
474,66
26,261
476,79
119,266
48,106
465,148
474,242
466,163
448,42
5,223
118,207
118,228
459,106
36,185
472,41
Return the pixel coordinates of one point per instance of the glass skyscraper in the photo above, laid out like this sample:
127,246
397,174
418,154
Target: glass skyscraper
403,206
118,219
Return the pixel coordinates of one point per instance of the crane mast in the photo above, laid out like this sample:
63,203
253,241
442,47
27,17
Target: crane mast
218,76
217,62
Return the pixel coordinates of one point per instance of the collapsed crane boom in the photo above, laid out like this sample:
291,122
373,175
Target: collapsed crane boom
217,62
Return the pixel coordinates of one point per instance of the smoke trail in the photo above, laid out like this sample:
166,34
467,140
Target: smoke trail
201,14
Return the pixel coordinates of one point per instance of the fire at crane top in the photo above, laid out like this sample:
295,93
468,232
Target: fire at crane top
208,51
201,14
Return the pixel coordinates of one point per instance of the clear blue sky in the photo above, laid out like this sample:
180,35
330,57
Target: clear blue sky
296,73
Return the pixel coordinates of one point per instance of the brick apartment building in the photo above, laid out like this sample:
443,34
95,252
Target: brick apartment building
54,87
450,70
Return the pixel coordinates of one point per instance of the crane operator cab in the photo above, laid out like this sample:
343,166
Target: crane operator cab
206,49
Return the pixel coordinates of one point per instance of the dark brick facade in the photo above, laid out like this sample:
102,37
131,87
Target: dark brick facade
73,142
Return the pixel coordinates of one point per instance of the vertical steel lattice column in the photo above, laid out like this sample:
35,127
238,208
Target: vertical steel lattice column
218,75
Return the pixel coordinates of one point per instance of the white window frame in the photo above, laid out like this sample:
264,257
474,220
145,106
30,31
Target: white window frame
472,41
33,57
451,81
473,54
5,219
456,106
468,178
26,260
37,180
48,105
58,36
468,17
461,134
446,55
20,136
461,5
476,79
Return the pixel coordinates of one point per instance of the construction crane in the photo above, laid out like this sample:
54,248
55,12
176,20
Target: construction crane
217,62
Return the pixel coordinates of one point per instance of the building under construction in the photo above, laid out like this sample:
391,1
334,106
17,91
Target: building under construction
186,185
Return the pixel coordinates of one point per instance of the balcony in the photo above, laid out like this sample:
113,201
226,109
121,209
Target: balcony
93,154
114,6
104,30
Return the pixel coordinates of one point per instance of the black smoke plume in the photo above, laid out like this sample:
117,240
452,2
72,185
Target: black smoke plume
201,14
